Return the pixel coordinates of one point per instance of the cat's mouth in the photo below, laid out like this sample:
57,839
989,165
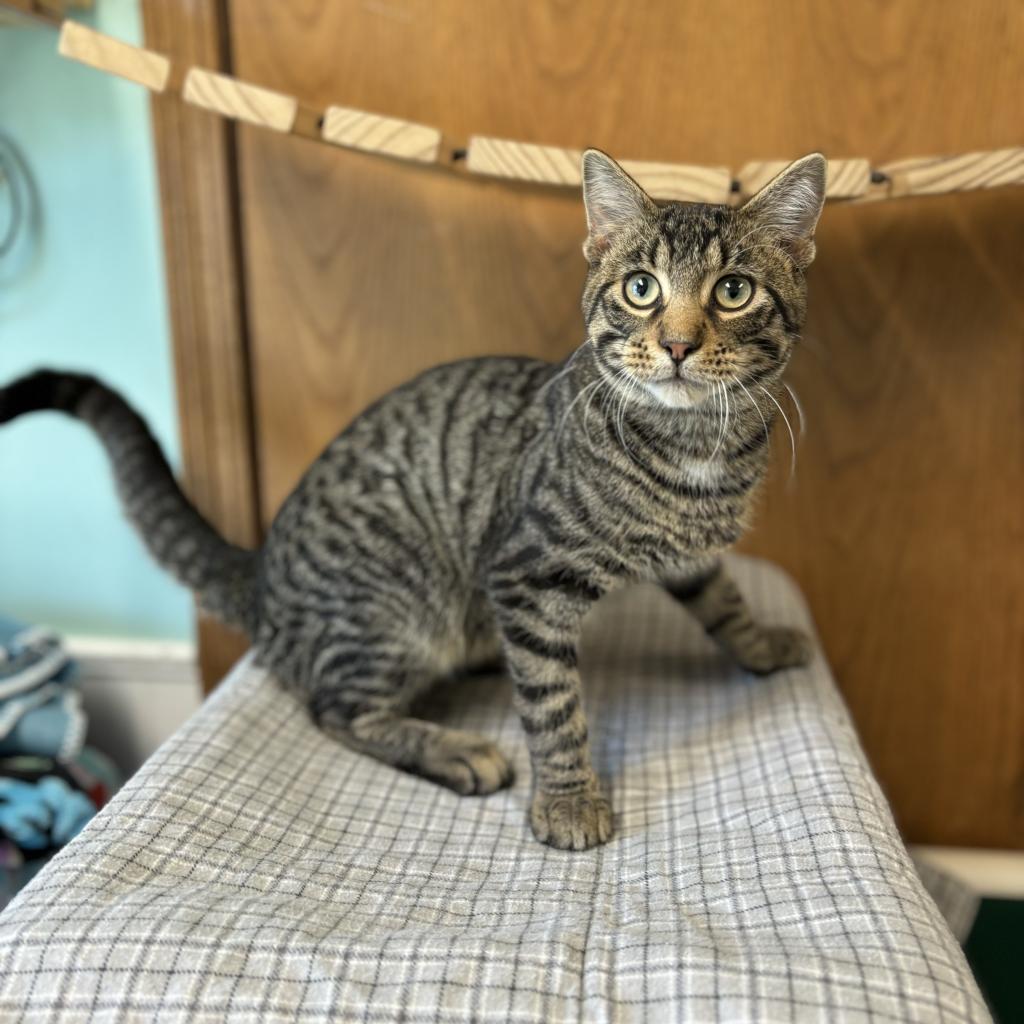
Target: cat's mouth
678,392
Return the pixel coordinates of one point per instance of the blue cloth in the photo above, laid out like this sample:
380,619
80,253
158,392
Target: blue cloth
40,708
38,815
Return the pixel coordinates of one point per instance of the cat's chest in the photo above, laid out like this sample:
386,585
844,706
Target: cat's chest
707,512
702,474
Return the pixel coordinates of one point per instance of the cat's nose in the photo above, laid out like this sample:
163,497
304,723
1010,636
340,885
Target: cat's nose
678,350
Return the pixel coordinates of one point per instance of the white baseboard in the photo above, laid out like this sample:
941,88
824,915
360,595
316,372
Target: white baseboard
997,874
136,693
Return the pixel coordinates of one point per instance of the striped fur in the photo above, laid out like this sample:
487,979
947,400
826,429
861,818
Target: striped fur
482,508
176,535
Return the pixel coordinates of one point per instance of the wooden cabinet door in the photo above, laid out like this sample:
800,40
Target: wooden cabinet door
903,523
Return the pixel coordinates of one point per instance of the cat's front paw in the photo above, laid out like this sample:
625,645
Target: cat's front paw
571,821
775,647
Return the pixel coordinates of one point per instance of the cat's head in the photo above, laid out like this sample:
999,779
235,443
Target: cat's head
683,298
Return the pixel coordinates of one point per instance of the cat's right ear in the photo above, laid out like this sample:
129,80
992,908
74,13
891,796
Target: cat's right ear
613,200
790,205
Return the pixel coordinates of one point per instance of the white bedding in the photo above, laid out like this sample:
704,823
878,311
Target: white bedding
254,870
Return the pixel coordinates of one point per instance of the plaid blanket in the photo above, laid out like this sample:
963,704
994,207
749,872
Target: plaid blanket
254,870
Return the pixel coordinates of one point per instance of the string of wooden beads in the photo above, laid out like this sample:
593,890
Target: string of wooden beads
852,179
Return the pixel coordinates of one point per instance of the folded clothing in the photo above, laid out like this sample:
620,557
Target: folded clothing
40,707
94,774
10,856
90,772
42,814
29,656
43,804
17,869
50,784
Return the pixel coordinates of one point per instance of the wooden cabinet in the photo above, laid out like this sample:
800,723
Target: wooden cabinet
343,275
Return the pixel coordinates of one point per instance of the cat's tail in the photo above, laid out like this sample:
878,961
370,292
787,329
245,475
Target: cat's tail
222,576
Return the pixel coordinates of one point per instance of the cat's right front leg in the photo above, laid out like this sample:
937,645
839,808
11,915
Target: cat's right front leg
567,808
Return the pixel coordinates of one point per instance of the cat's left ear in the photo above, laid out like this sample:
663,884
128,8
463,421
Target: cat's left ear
790,205
613,200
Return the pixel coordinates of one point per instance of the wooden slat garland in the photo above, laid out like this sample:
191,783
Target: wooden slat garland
932,175
111,55
234,98
683,183
372,133
849,180
551,165
523,161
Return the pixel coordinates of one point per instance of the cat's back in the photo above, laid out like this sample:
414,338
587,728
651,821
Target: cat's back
443,407
444,438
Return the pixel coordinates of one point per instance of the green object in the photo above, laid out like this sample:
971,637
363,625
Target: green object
995,950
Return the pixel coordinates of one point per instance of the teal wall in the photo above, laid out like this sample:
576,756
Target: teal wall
91,297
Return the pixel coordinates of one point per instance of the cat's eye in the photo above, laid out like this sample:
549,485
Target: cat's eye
642,289
733,292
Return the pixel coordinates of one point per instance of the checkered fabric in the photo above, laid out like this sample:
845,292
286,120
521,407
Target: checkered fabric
254,870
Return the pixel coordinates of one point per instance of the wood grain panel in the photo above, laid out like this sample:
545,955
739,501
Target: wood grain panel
904,523
195,158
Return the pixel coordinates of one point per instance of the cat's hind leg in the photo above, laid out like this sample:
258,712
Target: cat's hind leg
370,715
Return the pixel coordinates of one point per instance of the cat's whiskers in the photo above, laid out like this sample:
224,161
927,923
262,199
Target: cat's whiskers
764,422
789,427
591,390
579,395
623,394
586,413
725,420
799,410
565,369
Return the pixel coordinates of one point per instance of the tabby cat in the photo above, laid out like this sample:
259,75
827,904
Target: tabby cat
482,508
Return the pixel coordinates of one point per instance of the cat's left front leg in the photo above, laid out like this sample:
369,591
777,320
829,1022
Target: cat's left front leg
713,598
540,633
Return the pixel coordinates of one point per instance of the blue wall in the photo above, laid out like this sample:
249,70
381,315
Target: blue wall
92,297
